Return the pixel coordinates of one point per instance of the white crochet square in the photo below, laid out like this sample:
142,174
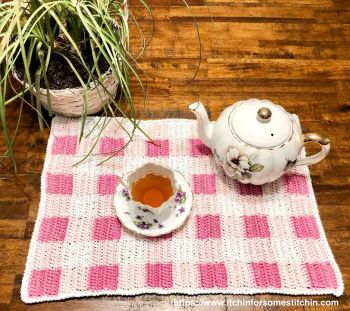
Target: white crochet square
287,251
74,277
175,131
204,165
132,251
105,252
185,250
233,249
133,163
84,206
229,204
76,254
87,166
180,163
275,207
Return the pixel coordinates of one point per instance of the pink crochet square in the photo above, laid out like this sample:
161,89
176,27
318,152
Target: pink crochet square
44,282
103,277
107,228
59,183
266,274
198,148
64,145
109,146
159,275
208,226
204,184
159,148
321,275
213,275
53,229
256,226
106,184
249,189
305,227
296,184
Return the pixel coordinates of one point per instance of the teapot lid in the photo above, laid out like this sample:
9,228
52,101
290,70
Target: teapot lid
260,123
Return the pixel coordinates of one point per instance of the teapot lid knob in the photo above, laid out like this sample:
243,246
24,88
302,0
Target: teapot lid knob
264,114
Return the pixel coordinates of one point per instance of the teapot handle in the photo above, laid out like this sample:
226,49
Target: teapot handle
322,141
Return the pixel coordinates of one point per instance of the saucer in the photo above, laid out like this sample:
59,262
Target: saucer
144,222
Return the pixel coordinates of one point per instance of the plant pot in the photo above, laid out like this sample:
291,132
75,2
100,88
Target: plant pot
70,102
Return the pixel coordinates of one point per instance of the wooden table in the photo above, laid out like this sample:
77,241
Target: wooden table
296,53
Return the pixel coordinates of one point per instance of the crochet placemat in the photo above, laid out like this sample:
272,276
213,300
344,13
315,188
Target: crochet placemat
238,239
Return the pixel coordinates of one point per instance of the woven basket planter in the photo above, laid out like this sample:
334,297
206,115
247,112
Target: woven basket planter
70,102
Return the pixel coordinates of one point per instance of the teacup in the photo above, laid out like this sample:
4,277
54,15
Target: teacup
151,187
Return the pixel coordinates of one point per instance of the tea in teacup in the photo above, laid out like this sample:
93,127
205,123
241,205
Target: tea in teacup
152,189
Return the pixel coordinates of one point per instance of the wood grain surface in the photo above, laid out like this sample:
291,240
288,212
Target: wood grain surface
295,53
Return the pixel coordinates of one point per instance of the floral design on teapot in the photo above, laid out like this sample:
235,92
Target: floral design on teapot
238,165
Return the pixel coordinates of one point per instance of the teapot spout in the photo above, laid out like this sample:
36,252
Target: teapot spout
205,127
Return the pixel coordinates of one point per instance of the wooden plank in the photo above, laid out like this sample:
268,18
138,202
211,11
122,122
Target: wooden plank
12,228
232,13
343,94
332,16
6,288
12,256
244,40
302,32
278,68
269,3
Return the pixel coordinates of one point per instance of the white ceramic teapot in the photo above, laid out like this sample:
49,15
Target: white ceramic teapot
256,141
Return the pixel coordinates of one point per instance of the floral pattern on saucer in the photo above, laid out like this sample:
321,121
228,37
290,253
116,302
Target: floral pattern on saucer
139,219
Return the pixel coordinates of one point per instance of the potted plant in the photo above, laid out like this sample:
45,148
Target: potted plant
68,55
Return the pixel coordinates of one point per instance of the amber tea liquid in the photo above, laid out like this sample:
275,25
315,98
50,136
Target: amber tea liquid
152,190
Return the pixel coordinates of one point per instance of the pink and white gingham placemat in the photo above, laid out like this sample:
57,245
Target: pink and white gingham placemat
238,239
